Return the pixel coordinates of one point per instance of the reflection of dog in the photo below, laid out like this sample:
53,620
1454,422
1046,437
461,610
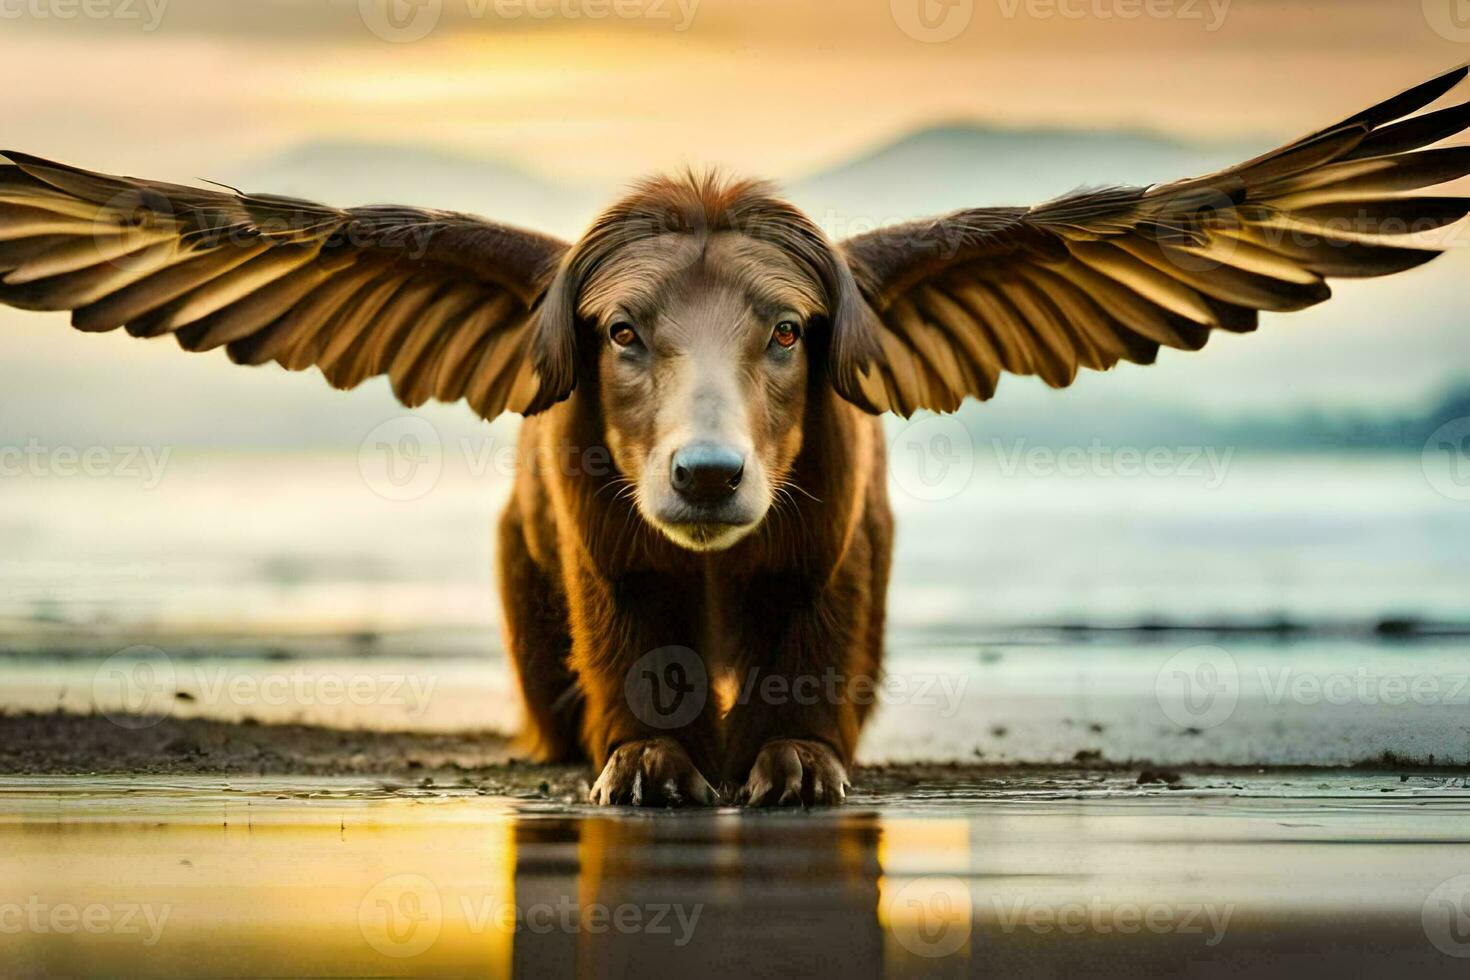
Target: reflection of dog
703,489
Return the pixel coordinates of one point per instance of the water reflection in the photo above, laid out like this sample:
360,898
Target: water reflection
128,879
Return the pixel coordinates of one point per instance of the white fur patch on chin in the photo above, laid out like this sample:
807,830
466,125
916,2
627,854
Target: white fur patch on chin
705,537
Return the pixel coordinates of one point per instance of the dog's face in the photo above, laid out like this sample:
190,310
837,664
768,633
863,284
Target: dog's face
702,364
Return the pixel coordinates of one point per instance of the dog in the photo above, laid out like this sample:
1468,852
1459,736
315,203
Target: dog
695,558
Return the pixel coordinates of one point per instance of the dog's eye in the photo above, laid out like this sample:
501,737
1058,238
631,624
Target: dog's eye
786,334
622,334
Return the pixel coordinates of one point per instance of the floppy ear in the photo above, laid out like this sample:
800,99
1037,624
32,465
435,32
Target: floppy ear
854,329
554,344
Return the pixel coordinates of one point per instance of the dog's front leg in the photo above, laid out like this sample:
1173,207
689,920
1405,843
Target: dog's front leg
650,721
793,729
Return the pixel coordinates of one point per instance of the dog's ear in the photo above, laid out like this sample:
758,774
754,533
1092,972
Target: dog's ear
554,343
854,334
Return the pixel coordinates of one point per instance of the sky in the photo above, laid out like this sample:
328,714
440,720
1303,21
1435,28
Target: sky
602,90
593,93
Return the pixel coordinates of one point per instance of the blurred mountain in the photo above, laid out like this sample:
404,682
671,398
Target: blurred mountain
966,165
1143,423
347,174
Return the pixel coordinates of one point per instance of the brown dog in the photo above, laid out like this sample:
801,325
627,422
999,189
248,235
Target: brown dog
743,522
694,563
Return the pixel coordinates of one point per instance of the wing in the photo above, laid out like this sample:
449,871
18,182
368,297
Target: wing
1109,275
439,302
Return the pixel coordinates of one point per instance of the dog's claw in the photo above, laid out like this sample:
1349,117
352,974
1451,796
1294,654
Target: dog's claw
795,772
651,772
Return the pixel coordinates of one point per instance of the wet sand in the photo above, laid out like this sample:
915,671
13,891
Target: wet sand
169,847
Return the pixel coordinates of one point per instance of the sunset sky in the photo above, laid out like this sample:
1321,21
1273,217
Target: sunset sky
601,90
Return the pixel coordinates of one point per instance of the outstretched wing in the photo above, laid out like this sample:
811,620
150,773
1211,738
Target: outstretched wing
1102,276
439,302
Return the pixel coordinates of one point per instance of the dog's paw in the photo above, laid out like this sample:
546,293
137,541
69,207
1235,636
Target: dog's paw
795,772
651,772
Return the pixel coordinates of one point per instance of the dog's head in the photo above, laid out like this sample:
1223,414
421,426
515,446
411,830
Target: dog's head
700,313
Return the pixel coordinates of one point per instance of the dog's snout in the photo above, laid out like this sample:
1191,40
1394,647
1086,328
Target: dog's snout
705,472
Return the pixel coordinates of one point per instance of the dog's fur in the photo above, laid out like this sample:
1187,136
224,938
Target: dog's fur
787,621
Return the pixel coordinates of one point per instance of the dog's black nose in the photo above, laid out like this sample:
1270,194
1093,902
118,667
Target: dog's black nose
706,472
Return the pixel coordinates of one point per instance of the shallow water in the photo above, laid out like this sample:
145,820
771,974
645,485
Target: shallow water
1058,874
309,544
